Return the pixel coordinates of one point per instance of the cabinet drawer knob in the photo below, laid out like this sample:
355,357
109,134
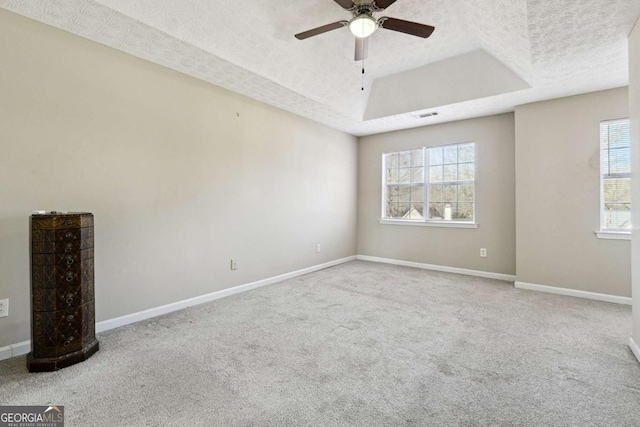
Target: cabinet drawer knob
70,318
69,260
68,235
68,247
68,222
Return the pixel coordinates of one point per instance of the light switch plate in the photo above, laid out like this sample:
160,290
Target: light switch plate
4,307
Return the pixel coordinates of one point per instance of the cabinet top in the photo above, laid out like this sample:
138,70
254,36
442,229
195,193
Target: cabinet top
55,214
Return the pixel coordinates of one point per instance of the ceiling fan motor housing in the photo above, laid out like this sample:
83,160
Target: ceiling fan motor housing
364,9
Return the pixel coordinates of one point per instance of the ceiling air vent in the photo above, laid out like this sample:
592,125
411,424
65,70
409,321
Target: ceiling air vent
425,115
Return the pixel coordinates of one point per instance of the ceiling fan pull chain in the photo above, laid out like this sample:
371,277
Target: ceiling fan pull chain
362,74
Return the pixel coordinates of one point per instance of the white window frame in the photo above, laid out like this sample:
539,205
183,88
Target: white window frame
603,232
426,222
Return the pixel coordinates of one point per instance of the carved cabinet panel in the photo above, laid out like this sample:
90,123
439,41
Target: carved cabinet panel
62,290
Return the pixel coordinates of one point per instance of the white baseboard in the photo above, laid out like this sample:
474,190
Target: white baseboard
573,293
477,273
6,352
25,347
634,348
14,350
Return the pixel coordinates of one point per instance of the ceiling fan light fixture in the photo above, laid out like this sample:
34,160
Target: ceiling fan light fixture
363,26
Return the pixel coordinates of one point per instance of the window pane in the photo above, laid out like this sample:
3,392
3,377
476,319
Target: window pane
397,201
392,176
392,201
435,174
403,209
417,196
617,216
405,159
464,212
466,172
435,156
392,193
404,194
450,193
400,200
450,173
450,154
436,211
435,193
616,160
616,134
415,212
391,160
466,153
404,176
466,193
449,211
617,190
390,210
417,175
417,158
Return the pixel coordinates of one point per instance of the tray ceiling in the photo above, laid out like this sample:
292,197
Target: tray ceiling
556,48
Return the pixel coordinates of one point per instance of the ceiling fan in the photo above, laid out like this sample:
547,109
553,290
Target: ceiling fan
363,24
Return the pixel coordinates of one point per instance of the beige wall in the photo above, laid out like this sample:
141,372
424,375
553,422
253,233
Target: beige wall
495,207
634,114
178,182
558,195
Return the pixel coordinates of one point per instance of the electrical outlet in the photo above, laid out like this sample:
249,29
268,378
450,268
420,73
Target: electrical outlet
234,264
318,248
4,307
483,252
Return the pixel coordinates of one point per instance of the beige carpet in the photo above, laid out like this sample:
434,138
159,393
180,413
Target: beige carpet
360,344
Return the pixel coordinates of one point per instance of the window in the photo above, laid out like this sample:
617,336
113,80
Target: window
435,184
615,182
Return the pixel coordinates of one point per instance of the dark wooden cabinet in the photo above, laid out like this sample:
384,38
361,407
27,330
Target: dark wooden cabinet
62,291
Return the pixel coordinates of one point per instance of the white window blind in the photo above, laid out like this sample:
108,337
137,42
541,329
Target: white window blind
430,184
615,166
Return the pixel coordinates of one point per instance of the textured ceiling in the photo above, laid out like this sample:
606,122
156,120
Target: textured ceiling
558,47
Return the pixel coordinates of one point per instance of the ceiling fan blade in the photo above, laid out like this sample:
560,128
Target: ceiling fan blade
383,4
320,30
347,4
407,27
362,48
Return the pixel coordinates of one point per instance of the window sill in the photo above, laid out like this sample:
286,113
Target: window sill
447,224
614,235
